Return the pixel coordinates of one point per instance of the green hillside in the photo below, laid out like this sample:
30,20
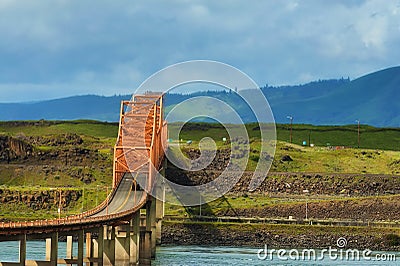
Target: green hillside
373,99
370,137
77,156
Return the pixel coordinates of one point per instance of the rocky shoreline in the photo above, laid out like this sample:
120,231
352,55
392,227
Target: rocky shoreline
368,209
297,183
279,236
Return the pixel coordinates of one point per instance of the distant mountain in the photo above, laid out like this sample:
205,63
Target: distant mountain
373,99
71,108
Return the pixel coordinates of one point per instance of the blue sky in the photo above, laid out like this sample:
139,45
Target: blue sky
58,48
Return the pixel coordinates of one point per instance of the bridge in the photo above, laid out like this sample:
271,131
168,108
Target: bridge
125,228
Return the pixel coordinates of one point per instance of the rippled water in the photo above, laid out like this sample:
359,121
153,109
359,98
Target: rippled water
195,255
224,256
35,250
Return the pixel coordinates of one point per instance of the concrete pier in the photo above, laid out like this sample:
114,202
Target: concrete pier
134,239
131,242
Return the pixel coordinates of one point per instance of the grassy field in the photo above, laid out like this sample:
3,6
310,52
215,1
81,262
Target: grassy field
331,160
229,203
18,211
379,154
41,128
335,148
370,137
322,136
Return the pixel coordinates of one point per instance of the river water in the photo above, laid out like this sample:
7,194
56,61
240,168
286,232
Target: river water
224,256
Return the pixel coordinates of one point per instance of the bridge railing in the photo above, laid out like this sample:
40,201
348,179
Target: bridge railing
72,220
158,141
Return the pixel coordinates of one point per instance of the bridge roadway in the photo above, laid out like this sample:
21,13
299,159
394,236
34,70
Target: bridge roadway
123,202
124,199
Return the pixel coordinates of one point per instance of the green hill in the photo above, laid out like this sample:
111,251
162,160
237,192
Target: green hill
373,99
77,157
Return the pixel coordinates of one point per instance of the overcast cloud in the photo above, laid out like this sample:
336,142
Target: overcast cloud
57,48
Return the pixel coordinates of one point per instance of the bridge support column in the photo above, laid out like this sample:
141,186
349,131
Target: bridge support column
98,247
151,219
22,250
89,247
122,244
146,234
159,217
69,248
52,249
80,247
160,205
134,239
145,247
109,246
94,251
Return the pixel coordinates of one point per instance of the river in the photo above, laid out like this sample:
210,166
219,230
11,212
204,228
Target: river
224,256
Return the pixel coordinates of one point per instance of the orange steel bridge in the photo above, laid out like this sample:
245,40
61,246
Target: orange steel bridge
125,228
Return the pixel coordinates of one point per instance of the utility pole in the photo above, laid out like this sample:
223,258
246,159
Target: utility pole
291,126
306,191
83,197
358,132
199,204
97,195
107,202
59,206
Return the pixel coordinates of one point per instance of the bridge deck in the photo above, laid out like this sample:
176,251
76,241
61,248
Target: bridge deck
125,198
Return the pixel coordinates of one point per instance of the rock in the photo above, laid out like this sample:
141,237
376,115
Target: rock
286,158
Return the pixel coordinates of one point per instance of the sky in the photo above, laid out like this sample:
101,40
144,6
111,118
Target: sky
57,48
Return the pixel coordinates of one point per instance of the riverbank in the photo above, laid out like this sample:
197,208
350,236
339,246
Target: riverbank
279,236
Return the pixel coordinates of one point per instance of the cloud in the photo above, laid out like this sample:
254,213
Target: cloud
62,48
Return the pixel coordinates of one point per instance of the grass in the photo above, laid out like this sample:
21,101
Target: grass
320,159
327,160
370,137
41,128
61,176
258,201
92,196
295,230
379,153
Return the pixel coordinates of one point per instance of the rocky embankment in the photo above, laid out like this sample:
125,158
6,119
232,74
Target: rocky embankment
40,200
12,149
328,196
364,209
282,236
55,156
64,149
290,183
297,183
